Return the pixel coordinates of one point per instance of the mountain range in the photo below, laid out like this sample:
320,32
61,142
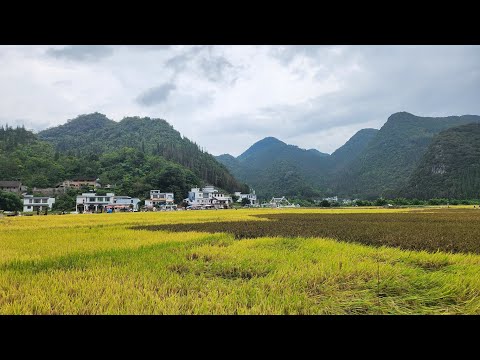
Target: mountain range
409,156
386,162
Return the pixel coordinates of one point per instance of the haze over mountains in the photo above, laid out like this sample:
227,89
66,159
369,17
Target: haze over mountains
372,163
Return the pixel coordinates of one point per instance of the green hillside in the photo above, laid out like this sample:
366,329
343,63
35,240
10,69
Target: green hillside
347,153
450,168
117,153
273,168
392,155
95,135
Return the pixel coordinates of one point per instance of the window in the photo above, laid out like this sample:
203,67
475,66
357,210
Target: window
29,207
92,199
107,199
100,199
44,201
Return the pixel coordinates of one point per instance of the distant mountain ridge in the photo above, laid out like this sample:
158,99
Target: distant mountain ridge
370,164
391,156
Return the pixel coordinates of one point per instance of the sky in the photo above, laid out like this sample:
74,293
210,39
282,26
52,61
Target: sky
225,98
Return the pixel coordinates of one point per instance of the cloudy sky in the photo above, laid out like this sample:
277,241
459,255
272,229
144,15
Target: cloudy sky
225,98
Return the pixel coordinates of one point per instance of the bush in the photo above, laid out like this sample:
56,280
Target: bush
10,201
325,203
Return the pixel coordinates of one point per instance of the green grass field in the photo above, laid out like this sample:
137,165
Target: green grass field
243,262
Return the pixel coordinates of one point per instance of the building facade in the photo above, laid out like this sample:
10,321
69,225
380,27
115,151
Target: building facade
208,197
37,203
13,186
79,182
91,202
252,197
160,200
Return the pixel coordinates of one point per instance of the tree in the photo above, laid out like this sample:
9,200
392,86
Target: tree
245,202
65,202
380,202
10,201
325,203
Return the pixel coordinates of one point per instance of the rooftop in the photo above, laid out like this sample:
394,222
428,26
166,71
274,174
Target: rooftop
10,183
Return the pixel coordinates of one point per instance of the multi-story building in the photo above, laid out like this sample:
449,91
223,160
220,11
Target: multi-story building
207,197
252,197
34,203
159,200
12,186
91,202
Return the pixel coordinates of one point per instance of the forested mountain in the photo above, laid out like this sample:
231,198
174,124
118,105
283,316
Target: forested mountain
273,168
349,152
137,155
391,156
94,135
372,163
450,168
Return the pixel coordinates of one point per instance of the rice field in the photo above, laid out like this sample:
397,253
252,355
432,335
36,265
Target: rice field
264,261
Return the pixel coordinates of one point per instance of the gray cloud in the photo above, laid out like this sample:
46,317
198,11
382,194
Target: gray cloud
81,52
180,61
150,47
214,68
307,95
155,95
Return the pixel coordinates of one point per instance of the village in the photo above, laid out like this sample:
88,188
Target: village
199,198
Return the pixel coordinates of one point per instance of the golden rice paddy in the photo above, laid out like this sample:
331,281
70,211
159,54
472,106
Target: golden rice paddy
106,264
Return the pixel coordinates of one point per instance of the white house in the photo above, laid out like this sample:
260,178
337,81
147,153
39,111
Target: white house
124,203
92,202
160,200
34,203
279,202
207,197
252,197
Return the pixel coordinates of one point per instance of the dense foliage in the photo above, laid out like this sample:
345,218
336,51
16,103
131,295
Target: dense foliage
274,168
10,201
451,166
393,154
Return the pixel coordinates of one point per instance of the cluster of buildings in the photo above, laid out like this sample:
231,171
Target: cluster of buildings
210,198
198,198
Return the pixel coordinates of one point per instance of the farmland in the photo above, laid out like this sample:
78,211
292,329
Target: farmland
295,261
